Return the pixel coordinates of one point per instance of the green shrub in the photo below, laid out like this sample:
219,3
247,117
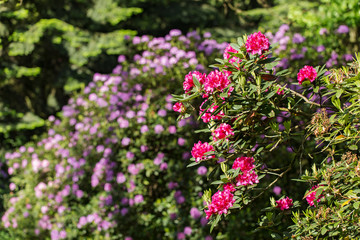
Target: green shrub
252,115
50,50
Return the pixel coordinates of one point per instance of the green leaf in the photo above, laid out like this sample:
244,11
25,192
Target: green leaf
339,92
218,217
275,236
235,46
336,102
353,147
217,182
196,82
235,206
287,125
193,164
240,41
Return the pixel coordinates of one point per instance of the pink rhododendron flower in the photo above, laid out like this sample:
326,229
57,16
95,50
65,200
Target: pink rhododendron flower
216,81
226,54
248,176
221,201
208,115
179,107
280,91
284,203
311,198
223,131
200,149
188,83
306,73
229,187
244,163
257,43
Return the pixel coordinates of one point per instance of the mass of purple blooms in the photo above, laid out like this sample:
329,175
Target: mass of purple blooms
115,158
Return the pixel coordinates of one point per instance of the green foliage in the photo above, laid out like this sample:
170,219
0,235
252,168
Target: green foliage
318,121
325,13
48,51
336,213
224,19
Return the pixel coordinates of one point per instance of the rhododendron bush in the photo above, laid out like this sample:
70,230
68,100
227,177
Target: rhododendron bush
263,131
113,164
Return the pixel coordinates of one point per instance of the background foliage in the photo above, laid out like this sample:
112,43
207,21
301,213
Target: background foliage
50,52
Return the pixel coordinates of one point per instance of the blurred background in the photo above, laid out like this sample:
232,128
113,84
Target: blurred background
50,50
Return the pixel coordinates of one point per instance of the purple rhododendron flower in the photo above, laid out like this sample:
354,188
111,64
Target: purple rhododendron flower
342,29
202,170
158,128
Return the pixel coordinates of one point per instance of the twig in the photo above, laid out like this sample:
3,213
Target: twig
301,96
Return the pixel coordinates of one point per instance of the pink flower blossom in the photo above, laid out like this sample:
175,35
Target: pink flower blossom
311,198
306,73
226,54
248,178
222,132
179,107
216,81
244,163
221,201
257,43
280,91
284,203
208,115
189,80
187,230
200,149
229,187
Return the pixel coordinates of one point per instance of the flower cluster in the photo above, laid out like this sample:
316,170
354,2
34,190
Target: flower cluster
226,54
216,80
209,113
295,50
179,107
311,196
224,131
284,203
306,73
199,151
221,202
248,175
189,82
257,43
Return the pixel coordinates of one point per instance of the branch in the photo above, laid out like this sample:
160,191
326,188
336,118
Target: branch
299,95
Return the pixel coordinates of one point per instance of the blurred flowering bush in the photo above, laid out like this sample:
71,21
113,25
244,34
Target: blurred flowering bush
327,46
113,165
252,116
